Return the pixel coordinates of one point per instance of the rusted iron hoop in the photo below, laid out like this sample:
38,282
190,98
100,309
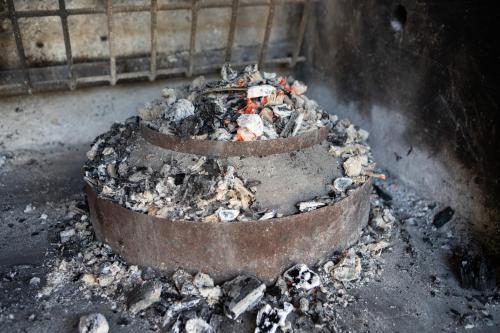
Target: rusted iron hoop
233,148
262,248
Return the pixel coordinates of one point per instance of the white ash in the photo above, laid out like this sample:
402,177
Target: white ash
169,95
268,215
67,234
180,110
301,277
227,73
341,184
353,166
34,281
348,269
269,319
93,323
349,143
252,122
307,206
263,90
93,151
198,325
3,160
29,208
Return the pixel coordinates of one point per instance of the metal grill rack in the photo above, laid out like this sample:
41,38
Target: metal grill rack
29,85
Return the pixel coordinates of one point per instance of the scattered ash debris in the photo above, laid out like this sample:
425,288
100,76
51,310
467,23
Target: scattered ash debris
244,106
320,298
301,299
209,190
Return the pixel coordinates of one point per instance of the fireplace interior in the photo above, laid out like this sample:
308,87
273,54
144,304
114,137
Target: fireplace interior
420,76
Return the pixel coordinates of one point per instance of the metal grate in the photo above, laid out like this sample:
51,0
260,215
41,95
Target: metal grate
73,81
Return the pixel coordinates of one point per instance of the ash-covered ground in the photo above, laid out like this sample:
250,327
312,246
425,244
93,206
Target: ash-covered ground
404,274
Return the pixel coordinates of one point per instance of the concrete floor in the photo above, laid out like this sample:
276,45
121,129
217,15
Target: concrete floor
45,138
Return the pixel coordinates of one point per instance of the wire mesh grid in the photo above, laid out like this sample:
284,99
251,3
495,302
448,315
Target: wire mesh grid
72,81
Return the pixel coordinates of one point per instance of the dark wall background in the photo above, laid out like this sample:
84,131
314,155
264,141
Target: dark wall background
428,92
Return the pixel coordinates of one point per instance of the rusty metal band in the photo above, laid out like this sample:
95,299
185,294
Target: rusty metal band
234,148
263,248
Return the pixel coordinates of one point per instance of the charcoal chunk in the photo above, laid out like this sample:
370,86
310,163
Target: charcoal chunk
144,296
443,217
382,193
189,126
243,293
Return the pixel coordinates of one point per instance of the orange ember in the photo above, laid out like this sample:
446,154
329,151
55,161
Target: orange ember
250,107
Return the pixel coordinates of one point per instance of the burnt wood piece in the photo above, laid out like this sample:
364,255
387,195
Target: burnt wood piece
261,248
234,148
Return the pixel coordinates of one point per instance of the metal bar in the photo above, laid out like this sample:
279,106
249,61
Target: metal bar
192,43
302,29
267,34
86,11
112,58
145,8
93,79
154,71
17,89
171,71
67,44
271,62
154,35
131,8
19,44
133,75
12,88
232,29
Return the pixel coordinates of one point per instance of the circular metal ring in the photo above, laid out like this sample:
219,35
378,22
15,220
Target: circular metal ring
234,148
263,248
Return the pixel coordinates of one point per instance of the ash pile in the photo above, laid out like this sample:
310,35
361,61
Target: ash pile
302,299
247,106
244,106
123,167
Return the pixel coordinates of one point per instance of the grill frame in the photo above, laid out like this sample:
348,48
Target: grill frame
72,81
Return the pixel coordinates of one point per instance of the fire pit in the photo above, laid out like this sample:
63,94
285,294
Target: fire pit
243,176
229,206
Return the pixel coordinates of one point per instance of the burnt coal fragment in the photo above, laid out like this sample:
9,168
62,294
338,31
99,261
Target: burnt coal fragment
189,126
179,178
208,108
382,193
198,185
242,293
337,138
443,217
211,167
